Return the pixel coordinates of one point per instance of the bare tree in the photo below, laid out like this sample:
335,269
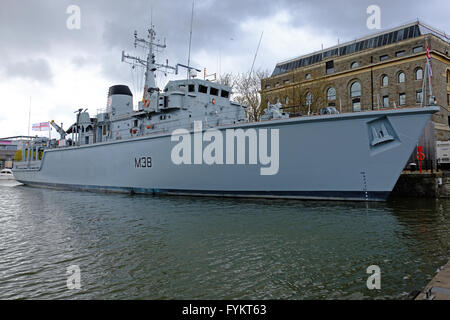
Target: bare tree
226,79
247,89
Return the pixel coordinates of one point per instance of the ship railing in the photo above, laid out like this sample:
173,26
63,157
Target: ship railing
100,111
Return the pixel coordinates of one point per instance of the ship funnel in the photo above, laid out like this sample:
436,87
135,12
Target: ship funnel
120,100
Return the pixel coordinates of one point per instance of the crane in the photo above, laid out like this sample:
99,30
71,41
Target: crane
58,129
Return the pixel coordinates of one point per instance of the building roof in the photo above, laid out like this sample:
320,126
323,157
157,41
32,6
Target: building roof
404,32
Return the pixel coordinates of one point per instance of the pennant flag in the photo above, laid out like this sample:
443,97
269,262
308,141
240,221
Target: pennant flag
43,126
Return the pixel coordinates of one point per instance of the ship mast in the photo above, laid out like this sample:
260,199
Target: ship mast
149,64
152,45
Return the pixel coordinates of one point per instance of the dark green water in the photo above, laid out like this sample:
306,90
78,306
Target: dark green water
139,247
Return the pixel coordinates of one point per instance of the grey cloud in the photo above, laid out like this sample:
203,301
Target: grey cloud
35,69
347,19
38,28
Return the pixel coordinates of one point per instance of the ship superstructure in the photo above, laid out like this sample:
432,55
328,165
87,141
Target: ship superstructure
180,104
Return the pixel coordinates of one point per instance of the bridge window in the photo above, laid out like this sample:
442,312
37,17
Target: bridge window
202,89
225,94
214,91
192,88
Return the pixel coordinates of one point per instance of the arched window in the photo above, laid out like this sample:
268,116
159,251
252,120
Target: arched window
355,89
308,76
355,64
419,74
286,100
401,77
331,94
309,99
384,81
448,76
355,94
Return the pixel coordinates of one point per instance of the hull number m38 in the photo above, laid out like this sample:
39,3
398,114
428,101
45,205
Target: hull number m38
143,162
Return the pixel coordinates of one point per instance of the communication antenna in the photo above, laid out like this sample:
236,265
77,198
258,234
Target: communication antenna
190,42
256,53
29,117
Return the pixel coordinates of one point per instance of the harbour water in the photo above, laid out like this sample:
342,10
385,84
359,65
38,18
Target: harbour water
144,247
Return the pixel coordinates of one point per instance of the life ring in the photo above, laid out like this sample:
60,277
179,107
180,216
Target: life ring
421,156
147,103
213,101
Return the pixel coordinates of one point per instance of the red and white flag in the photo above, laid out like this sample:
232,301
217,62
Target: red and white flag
430,70
43,126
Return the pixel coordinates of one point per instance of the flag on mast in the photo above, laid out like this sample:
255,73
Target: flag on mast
430,70
43,126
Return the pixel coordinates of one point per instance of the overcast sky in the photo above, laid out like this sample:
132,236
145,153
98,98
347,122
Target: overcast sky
63,69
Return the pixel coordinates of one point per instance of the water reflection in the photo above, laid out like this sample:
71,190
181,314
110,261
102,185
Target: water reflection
140,247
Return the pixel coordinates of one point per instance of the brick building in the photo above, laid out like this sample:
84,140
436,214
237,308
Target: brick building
384,70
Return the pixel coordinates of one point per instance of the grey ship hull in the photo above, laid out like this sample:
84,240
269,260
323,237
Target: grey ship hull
332,157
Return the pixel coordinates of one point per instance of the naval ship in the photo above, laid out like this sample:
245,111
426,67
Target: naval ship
191,139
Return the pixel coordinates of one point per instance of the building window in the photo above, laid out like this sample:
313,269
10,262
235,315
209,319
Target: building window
355,89
355,94
354,65
419,96
286,100
384,81
286,81
384,57
448,76
401,77
356,104
417,49
277,85
308,76
402,99
419,74
267,86
331,94
309,99
400,53
386,101
329,67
